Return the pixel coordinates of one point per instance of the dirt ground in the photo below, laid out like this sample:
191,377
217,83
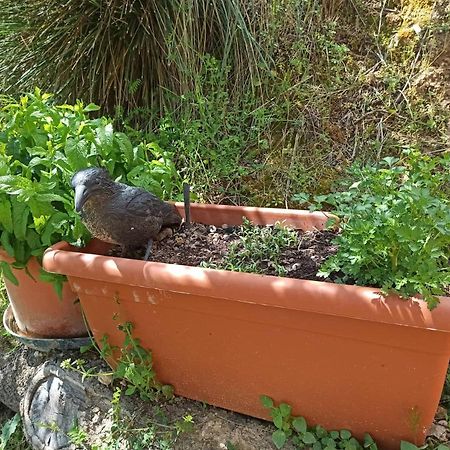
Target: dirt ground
213,428
200,244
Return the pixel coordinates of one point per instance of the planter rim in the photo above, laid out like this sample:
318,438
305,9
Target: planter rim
5,257
357,302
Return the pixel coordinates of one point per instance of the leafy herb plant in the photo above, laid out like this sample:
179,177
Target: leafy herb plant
395,229
301,435
258,247
41,146
134,366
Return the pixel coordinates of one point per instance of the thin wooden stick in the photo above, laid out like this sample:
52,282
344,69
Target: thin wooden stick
187,203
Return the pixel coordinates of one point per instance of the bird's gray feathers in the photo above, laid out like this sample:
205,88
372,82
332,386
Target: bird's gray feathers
121,214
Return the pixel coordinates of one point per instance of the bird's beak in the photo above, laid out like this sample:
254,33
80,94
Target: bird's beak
81,195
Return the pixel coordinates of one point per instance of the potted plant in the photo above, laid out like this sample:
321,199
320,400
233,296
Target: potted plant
41,146
343,355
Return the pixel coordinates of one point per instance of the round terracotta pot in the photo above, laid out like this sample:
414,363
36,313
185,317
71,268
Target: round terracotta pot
38,310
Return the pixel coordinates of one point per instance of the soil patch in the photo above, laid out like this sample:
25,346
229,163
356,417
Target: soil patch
199,245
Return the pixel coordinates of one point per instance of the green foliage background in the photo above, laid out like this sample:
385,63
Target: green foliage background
257,99
42,145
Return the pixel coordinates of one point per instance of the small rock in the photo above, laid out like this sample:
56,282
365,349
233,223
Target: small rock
441,413
105,379
225,226
179,240
438,431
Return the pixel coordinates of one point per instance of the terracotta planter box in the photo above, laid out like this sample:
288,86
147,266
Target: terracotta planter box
37,310
342,356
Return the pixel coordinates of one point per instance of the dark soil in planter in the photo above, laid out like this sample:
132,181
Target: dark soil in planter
200,244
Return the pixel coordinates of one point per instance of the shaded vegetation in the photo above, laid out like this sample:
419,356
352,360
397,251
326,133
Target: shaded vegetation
258,99
395,227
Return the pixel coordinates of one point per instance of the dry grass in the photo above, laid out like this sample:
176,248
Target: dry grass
303,89
122,53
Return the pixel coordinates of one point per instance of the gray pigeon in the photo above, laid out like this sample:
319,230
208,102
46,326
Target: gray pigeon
120,214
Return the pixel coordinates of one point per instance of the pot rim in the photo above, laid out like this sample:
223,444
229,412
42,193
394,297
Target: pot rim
363,303
358,302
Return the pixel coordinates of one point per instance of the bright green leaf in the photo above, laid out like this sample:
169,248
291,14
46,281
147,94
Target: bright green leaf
20,219
345,434
299,424
6,215
267,402
277,418
91,107
5,241
285,409
130,390
309,438
8,429
7,273
279,438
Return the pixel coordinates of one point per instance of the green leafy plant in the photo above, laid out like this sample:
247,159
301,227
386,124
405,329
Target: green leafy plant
41,146
296,430
134,365
258,247
77,436
395,226
213,148
11,437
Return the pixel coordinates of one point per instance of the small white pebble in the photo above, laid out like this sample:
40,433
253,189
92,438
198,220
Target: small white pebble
105,379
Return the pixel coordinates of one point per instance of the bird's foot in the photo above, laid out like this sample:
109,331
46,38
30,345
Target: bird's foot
149,250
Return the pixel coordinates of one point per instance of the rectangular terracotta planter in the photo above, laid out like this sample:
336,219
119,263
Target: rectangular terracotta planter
342,356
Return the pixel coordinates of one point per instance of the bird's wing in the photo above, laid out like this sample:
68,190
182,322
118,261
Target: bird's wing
136,202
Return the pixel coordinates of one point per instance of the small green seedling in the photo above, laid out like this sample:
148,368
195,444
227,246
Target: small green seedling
296,429
257,248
